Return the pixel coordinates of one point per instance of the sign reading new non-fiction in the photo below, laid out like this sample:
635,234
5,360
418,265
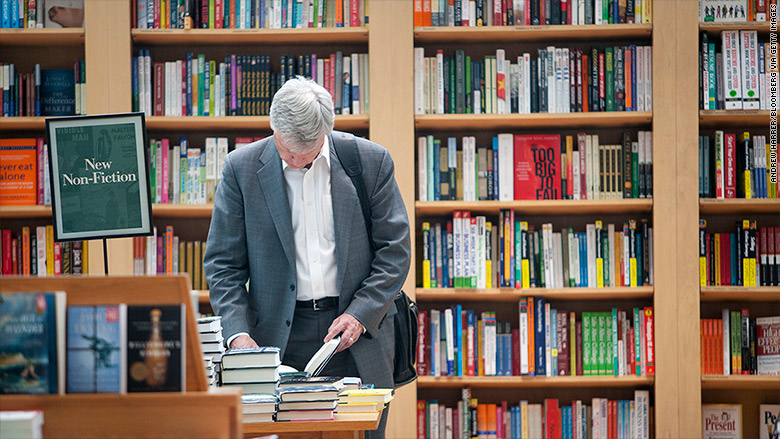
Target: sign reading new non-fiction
99,179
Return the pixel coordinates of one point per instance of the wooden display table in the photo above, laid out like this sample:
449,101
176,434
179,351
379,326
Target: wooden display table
311,430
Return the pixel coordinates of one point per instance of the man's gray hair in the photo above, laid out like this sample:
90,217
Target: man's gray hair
302,113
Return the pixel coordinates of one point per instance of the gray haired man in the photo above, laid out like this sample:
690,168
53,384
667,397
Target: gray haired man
287,219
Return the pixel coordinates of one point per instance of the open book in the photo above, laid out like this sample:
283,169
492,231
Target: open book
317,362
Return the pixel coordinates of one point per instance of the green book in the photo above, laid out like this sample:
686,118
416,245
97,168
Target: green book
586,344
201,83
635,169
614,366
453,88
469,98
212,91
603,349
609,79
711,76
605,256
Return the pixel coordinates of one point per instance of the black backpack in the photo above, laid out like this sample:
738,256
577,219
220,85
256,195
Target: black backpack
404,370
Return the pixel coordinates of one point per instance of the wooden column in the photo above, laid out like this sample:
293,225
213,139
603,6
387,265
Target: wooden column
390,43
108,52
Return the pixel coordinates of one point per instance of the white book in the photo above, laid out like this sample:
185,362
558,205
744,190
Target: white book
141,82
632,418
211,167
612,267
527,85
546,246
40,236
419,83
433,416
575,168
506,189
472,13
648,67
500,77
439,81
589,167
625,258
567,77
178,94
596,418
355,84
726,345
551,81
519,85
732,87
422,169
168,90
641,402
603,422
573,268
491,338
429,167
597,14
558,260
449,336
523,340
222,151
468,170
749,58
175,165
481,267
640,78
590,231
574,255
448,423
465,9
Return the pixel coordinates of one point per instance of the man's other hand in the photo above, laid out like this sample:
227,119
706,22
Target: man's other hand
350,329
243,341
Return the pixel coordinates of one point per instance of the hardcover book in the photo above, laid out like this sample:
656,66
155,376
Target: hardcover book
18,172
96,349
58,92
265,356
769,421
156,348
721,421
768,345
63,13
537,161
32,331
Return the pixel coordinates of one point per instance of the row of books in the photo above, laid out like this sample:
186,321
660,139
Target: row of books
32,14
558,80
24,174
546,342
735,74
739,345
749,256
242,85
731,169
529,12
734,10
469,252
49,347
248,14
167,254
624,419
43,92
535,167
183,174
33,252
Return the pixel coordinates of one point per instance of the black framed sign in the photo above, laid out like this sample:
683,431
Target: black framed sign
99,177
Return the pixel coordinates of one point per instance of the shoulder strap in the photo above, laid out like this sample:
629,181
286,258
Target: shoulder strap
347,153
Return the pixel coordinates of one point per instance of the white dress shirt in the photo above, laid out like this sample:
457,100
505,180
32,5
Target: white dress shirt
308,191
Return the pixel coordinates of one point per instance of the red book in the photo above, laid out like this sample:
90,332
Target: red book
613,419
25,255
763,250
426,12
504,421
218,14
730,168
631,350
516,352
422,344
628,72
602,88
578,335
160,255
57,258
537,166
159,93
354,10
773,262
584,79
527,9
725,244
552,421
333,74
41,161
418,13
563,343
565,13
421,430
15,256
7,257
184,89
649,341
156,14
542,13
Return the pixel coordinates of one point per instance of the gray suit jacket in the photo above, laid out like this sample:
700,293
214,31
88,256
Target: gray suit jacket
251,239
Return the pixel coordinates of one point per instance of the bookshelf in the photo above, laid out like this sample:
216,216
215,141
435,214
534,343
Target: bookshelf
748,390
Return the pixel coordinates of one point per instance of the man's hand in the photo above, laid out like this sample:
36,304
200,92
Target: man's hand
243,341
349,328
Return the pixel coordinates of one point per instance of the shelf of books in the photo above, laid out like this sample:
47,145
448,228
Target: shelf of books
453,122
530,382
516,294
247,123
538,207
509,34
713,206
237,37
37,37
767,294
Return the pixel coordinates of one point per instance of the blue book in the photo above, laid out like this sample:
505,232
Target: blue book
457,315
495,168
32,331
14,14
95,349
262,13
58,92
206,88
445,273
554,341
6,5
149,14
432,247
584,259
134,70
539,336
436,170
471,324
508,349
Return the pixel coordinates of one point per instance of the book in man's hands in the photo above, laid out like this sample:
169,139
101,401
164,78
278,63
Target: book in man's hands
317,362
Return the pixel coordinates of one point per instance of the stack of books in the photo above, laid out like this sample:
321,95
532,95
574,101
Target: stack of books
212,344
362,404
307,402
258,407
253,369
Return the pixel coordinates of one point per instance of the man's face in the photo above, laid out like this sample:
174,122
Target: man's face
296,160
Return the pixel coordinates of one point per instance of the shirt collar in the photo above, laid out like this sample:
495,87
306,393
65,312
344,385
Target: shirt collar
324,153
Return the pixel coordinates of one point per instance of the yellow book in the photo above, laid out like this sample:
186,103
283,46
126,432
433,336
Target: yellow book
572,344
85,258
754,252
525,264
366,395
478,354
196,266
599,256
702,253
426,263
190,257
746,173
747,279
49,250
488,254
524,418
182,257
716,259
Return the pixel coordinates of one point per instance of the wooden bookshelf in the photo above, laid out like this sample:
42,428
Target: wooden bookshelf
514,294
740,382
516,34
488,122
537,207
182,210
528,382
203,297
354,122
9,124
269,428
740,294
714,29
739,119
236,37
739,206
23,212
42,37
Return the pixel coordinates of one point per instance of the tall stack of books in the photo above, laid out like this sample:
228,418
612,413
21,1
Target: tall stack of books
307,403
253,369
258,407
212,343
362,404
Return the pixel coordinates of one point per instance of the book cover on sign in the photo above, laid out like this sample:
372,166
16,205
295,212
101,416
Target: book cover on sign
721,421
96,349
769,421
537,167
156,348
32,331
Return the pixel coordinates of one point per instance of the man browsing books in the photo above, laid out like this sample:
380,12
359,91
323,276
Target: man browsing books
287,219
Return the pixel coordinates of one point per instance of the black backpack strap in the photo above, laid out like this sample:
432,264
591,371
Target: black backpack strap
347,153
